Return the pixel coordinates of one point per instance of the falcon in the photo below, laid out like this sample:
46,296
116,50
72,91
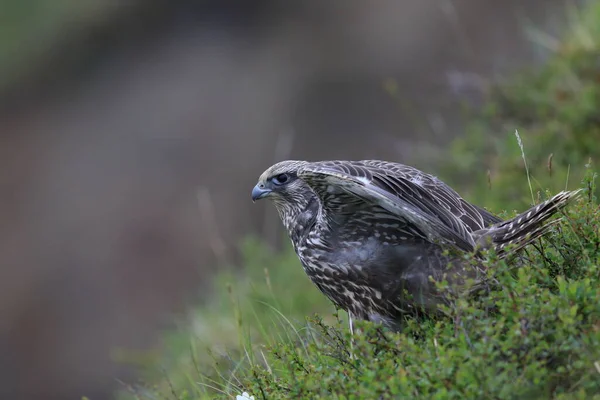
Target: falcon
371,234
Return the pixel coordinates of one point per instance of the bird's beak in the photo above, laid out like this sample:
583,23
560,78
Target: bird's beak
259,192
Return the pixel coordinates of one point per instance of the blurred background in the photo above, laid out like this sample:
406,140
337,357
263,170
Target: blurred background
132,133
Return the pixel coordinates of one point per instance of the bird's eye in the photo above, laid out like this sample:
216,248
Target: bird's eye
280,179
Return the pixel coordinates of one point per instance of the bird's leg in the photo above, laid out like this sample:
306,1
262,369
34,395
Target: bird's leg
351,326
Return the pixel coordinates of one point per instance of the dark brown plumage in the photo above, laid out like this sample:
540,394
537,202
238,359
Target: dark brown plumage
371,233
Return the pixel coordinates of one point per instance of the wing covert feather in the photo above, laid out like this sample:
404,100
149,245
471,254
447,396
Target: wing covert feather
420,198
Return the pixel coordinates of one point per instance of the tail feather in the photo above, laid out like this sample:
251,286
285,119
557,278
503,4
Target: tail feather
520,242
527,226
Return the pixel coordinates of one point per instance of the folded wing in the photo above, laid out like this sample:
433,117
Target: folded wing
423,200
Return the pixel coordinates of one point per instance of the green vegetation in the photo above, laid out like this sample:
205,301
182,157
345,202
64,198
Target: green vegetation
535,335
265,302
555,108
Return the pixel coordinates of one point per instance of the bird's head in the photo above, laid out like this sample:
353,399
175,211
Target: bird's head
280,184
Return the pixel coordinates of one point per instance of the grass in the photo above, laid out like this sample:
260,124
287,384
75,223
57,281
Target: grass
534,335
268,299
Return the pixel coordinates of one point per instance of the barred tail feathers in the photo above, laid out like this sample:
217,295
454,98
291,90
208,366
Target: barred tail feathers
529,225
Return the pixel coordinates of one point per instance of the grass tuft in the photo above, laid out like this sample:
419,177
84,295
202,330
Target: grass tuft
520,142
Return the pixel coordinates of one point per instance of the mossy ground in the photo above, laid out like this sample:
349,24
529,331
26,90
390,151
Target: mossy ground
536,334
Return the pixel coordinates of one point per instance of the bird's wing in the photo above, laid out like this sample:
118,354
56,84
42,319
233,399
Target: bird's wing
420,198
442,195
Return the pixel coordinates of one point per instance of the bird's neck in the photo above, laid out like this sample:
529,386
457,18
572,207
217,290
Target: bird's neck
300,220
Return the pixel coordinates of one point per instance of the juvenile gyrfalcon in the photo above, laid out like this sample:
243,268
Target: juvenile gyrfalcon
371,233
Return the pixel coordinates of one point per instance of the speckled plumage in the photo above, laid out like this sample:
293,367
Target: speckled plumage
371,233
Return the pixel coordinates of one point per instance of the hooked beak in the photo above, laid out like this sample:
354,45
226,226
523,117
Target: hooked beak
259,192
